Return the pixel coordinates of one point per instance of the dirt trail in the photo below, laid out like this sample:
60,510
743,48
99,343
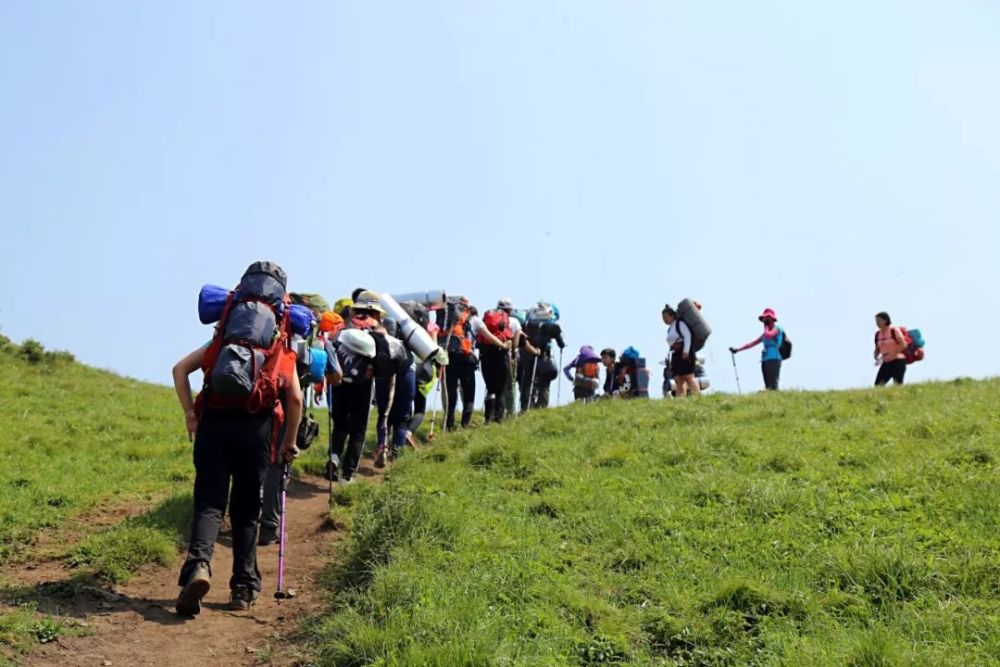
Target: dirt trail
135,624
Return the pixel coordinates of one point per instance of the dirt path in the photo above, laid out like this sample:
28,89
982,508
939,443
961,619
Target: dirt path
135,624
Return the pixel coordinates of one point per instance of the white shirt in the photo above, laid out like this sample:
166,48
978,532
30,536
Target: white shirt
476,325
678,330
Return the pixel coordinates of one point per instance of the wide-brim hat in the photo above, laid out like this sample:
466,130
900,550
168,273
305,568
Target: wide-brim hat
768,314
369,301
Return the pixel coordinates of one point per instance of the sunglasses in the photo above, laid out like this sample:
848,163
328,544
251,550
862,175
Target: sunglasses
363,314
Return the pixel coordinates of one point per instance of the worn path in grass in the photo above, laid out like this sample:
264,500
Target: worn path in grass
135,624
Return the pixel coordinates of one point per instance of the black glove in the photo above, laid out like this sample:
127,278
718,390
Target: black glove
733,350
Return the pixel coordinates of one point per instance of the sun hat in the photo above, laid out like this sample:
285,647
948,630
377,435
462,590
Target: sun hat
368,300
768,313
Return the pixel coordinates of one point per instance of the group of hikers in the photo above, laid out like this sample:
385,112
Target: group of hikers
274,352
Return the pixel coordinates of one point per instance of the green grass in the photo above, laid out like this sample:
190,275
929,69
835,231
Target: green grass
847,528
77,439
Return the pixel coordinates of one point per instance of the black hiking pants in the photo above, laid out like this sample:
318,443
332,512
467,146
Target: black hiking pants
771,370
460,373
352,403
232,451
894,370
495,375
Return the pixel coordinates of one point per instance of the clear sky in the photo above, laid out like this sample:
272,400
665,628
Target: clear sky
829,160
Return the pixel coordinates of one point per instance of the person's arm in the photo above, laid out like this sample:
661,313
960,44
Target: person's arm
685,333
182,385
293,415
334,373
756,341
571,365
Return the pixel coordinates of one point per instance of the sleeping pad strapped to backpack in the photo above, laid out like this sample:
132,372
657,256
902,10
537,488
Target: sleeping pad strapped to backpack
241,363
689,312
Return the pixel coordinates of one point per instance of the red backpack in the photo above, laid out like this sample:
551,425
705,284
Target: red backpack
242,365
912,353
497,323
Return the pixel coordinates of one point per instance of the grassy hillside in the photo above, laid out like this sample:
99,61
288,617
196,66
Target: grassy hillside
853,528
77,440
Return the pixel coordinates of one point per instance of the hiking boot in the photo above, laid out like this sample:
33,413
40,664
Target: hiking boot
189,601
380,458
267,537
332,467
241,598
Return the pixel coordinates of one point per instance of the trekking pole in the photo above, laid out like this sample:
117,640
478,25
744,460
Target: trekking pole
559,386
737,373
444,400
531,387
283,593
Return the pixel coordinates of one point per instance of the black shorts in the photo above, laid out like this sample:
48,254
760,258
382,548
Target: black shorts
681,366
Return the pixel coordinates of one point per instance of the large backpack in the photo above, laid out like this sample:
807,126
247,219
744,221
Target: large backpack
497,323
689,312
456,335
242,363
588,375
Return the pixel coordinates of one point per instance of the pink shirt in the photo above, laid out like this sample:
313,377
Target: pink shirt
891,344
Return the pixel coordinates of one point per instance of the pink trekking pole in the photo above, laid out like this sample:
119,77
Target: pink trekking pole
282,593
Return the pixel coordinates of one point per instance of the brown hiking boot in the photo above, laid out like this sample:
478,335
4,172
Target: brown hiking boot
189,601
380,458
241,598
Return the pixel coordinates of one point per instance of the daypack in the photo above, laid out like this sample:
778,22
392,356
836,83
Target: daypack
456,335
689,312
241,365
497,323
785,349
914,350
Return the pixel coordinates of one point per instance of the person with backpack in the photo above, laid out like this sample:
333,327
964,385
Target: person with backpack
350,402
682,358
457,339
587,376
535,366
250,390
270,514
394,398
493,337
773,339
608,359
890,351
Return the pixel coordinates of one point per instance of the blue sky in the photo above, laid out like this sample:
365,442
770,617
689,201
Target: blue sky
828,161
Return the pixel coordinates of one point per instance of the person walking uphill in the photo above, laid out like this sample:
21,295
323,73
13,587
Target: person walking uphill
682,359
773,339
249,371
457,339
494,335
587,377
890,351
351,400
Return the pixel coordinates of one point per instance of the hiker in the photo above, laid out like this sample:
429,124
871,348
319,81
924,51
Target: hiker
608,358
682,359
770,357
351,400
587,377
631,375
394,397
493,337
456,337
270,514
517,340
890,351
535,366
670,387
234,424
